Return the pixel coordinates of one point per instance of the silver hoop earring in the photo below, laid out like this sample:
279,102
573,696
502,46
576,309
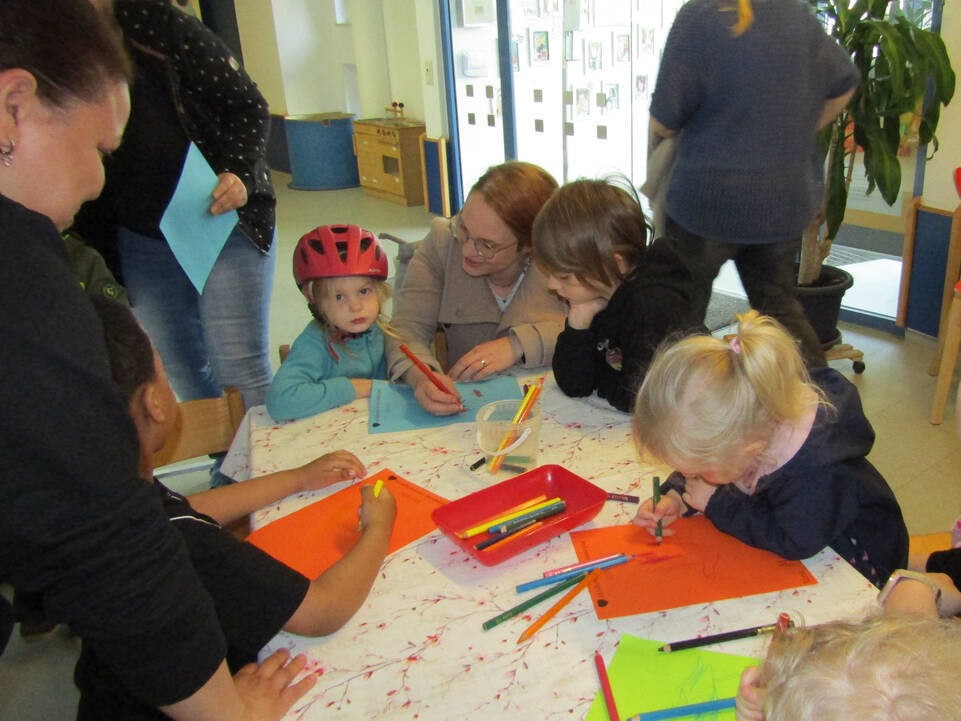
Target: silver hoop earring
6,154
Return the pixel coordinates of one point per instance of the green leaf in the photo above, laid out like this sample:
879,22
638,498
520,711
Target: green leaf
837,191
881,164
929,123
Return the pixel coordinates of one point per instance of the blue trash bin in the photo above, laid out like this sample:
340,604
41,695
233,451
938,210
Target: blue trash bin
321,151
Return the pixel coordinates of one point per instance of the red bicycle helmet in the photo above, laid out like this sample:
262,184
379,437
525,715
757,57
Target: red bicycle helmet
336,250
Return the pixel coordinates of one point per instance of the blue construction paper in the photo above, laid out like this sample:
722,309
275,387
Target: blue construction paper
195,235
394,408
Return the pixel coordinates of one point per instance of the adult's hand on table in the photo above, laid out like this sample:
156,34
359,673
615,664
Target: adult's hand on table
266,690
485,359
230,194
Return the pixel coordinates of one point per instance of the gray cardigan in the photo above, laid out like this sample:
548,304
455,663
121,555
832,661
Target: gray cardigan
438,293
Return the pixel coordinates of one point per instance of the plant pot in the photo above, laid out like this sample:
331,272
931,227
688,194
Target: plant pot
822,303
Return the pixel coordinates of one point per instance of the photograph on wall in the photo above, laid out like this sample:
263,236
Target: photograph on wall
540,47
640,86
573,45
477,12
582,101
612,93
516,52
647,40
622,47
594,53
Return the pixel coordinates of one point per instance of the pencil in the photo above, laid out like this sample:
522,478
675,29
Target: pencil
681,711
523,411
565,599
533,601
548,580
580,566
783,622
623,497
377,487
426,370
606,687
529,527
509,515
535,513
659,531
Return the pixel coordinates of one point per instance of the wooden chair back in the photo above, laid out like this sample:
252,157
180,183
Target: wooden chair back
203,427
283,351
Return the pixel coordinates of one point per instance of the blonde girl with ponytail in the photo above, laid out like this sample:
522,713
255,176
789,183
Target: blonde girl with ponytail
771,453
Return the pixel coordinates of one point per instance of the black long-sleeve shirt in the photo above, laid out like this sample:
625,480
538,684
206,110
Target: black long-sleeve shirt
77,524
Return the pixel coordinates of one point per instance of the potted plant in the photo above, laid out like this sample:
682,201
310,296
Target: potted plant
905,70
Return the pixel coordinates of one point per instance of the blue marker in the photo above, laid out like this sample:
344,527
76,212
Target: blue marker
689,710
536,515
538,582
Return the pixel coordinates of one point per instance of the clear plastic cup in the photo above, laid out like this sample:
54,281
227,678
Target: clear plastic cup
516,445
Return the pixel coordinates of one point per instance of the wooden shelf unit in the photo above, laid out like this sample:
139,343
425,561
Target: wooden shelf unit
388,159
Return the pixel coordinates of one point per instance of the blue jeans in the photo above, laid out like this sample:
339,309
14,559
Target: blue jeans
208,340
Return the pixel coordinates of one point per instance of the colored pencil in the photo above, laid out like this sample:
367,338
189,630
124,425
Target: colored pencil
659,531
519,510
493,541
623,497
579,566
783,622
426,370
530,398
377,487
606,687
552,611
597,565
681,711
530,602
536,513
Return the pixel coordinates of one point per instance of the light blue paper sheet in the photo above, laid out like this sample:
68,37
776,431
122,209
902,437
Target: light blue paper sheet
394,408
195,235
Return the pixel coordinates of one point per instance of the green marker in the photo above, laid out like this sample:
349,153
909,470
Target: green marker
521,607
659,531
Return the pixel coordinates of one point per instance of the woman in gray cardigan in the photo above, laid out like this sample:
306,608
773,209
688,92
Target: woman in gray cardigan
472,277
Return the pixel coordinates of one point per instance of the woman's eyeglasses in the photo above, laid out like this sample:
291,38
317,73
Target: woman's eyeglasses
484,248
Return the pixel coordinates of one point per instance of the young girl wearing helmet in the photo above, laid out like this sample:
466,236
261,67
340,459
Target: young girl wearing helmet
342,271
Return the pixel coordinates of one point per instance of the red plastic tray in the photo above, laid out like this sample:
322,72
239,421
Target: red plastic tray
584,501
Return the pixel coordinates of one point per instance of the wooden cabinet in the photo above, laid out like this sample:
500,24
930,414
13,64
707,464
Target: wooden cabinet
388,159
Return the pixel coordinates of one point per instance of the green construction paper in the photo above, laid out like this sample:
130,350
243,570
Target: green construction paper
644,679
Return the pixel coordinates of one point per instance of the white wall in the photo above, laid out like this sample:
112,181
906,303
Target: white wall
255,23
939,190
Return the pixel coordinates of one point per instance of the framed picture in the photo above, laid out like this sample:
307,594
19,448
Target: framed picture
622,48
594,52
582,101
573,45
612,90
640,86
515,54
475,13
647,40
540,47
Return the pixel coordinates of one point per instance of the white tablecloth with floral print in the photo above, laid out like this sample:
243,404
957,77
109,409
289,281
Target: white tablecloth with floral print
416,650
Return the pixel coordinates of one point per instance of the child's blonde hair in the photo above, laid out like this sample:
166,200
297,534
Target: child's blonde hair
888,668
705,398
583,224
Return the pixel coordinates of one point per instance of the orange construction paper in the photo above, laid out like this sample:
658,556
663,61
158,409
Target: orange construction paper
314,538
712,566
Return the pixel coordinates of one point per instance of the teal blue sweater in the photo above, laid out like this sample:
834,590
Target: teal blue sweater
312,381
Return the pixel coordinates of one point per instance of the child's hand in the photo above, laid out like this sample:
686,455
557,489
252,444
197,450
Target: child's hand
580,315
697,492
361,386
266,691
668,510
376,512
750,696
331,468
433,400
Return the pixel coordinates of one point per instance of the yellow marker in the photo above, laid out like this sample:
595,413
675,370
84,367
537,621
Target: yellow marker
477,530
377,487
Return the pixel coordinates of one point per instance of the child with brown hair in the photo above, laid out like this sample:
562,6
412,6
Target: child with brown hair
771,454
624,296
342,271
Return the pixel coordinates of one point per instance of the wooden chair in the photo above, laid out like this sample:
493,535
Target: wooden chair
203,427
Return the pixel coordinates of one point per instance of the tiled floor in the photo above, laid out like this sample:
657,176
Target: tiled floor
921,462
